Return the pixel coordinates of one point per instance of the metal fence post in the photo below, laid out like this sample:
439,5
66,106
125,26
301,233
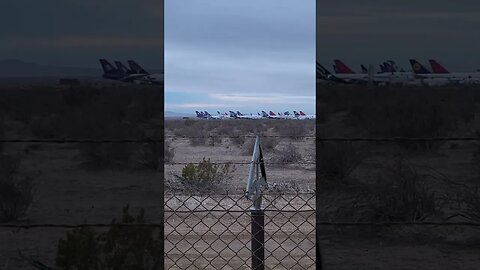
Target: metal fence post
258,239
256,182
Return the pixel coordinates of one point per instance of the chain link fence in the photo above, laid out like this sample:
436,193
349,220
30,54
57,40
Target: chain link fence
211,231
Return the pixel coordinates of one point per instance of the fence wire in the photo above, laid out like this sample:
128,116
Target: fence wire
320,139
213,231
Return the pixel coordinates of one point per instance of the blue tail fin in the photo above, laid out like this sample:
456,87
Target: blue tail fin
107,67
122,68
364,69
136,68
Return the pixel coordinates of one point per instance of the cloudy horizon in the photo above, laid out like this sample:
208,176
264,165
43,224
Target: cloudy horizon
248,56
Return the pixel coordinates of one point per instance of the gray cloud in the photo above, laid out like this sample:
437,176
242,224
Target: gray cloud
241,47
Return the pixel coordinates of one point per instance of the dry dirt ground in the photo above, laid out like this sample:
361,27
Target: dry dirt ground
221,240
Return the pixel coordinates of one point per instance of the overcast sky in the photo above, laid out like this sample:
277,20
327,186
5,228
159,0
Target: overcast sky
244,55
78,32
371,31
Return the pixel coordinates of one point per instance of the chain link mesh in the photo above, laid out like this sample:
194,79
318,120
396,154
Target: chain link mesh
208,231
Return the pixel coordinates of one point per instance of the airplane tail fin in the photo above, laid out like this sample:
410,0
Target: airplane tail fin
382,68
272,113
324,74
335,69
107,67
122,68
418,68
436,67
342,68
364,69
391,66
302,113
136,67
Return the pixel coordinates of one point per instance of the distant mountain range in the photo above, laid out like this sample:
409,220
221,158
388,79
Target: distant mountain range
12,68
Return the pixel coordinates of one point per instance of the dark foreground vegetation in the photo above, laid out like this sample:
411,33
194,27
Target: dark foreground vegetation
73,183
401,181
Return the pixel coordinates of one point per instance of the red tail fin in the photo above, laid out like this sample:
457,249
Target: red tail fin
436,67
302,113
342,68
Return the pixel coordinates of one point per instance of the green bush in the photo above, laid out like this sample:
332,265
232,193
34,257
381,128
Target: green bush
205,176
120,248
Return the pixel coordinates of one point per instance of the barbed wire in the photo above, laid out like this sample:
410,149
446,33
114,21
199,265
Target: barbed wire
321,139
399,223
72,226
243,163
161,225
395,139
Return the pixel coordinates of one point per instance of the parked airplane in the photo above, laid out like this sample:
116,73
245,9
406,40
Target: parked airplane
123,69
467,77
388,74
122,73
429,78
152,78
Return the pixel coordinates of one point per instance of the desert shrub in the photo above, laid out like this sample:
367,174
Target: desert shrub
401,194
109,155
169,152
294,130
288,154
150,156
468,201
79,250
16,192
247,147
117,249
337,160
268,145
205,176
238,140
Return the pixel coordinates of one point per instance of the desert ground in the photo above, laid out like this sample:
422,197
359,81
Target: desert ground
400,181
75,183
221,240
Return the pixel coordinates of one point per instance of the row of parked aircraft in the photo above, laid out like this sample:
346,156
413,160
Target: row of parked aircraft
300,115
389,73
134,74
